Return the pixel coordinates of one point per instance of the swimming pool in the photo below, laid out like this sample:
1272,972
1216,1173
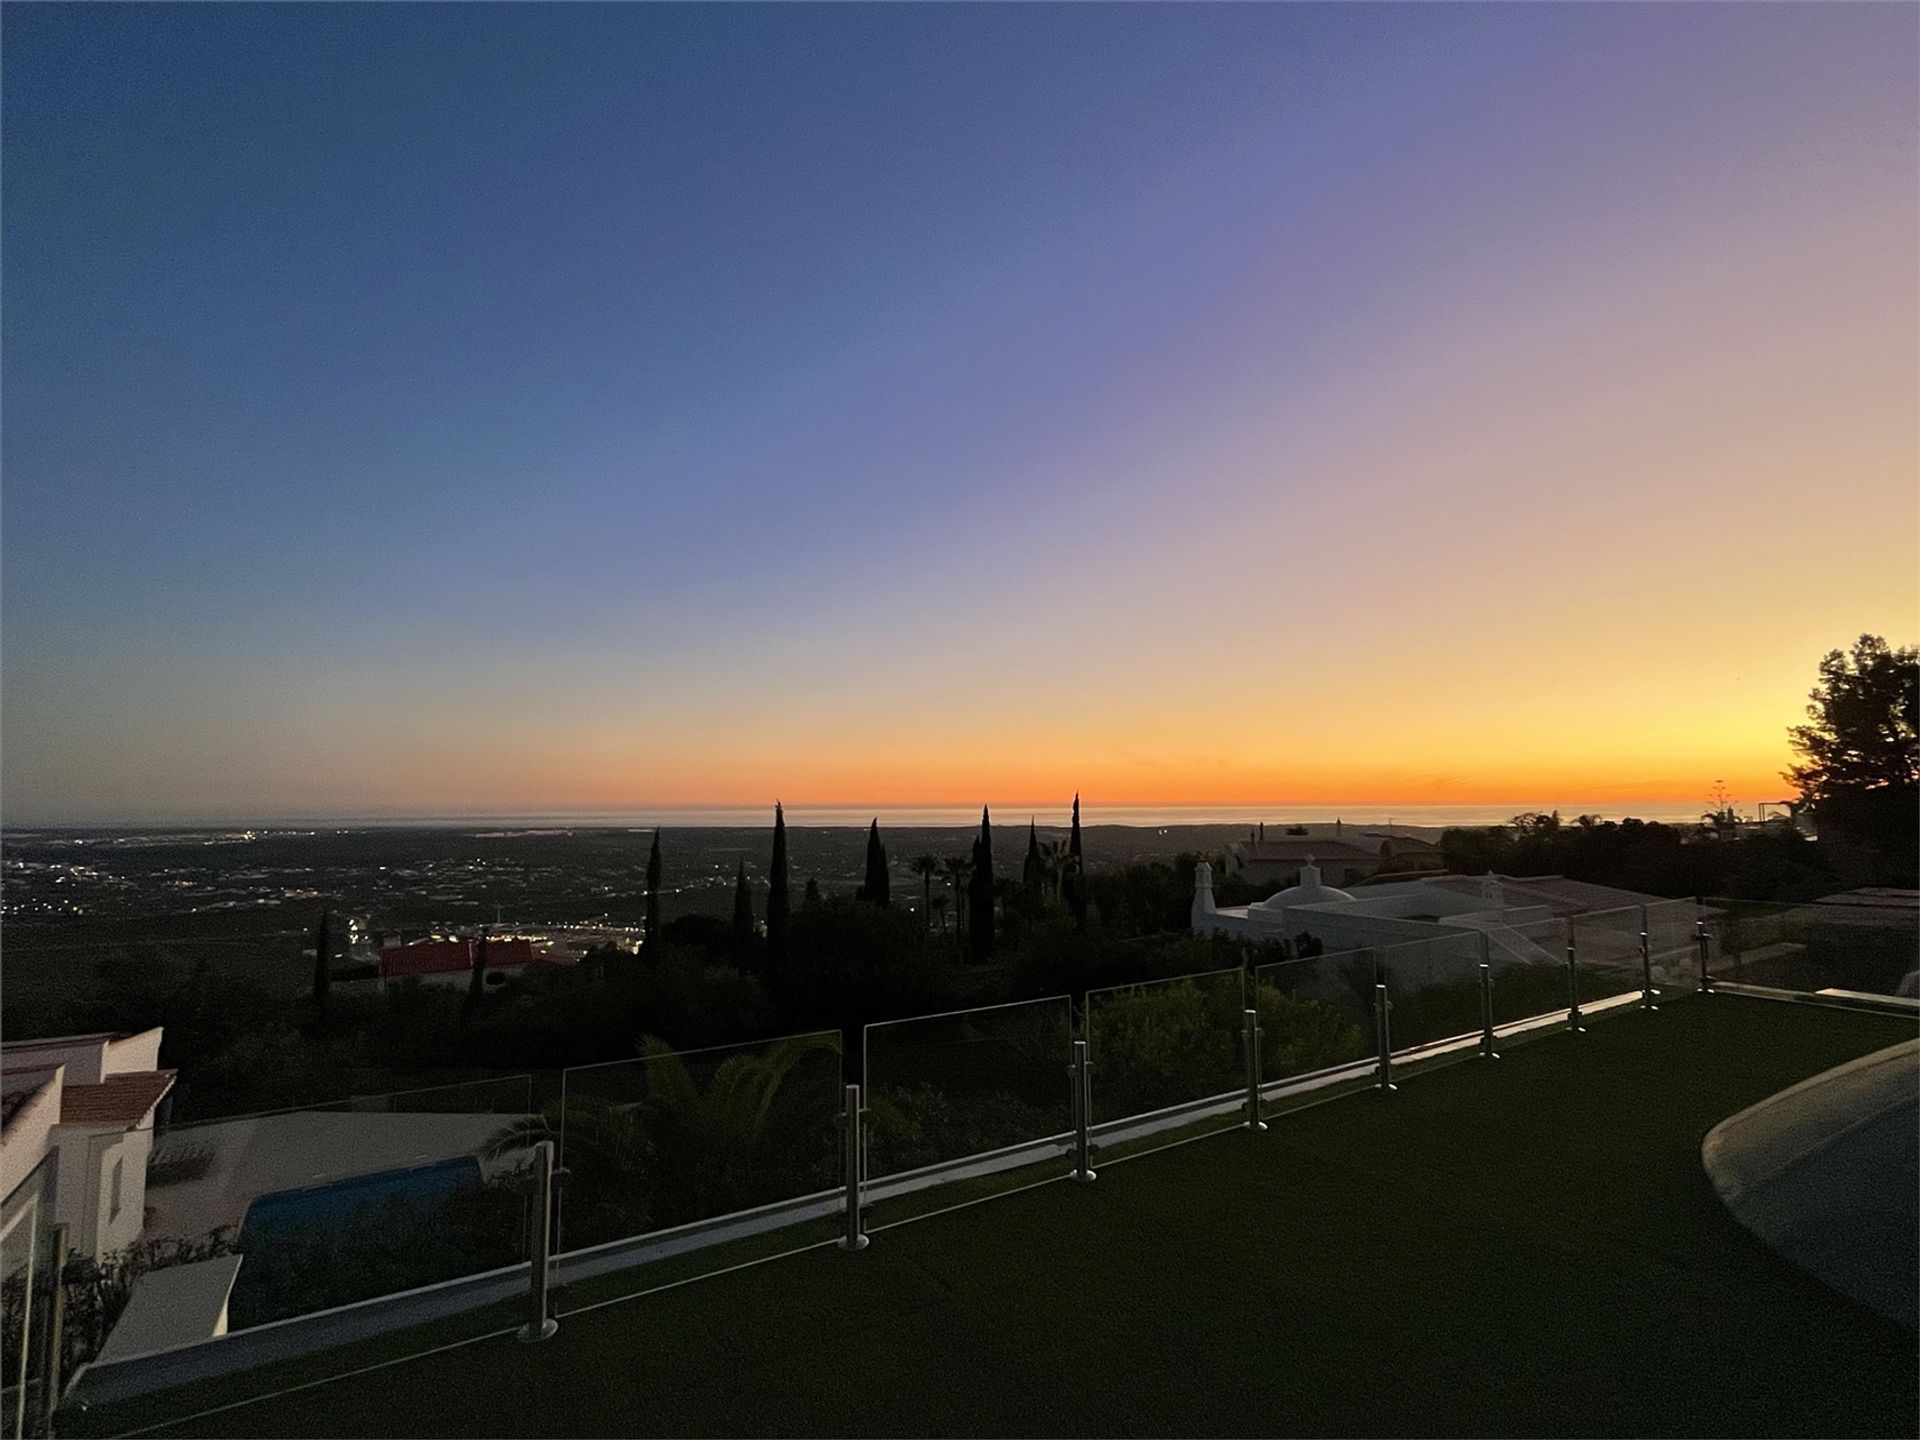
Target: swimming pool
317,1208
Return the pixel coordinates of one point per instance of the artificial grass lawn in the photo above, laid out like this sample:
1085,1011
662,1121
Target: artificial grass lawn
1524,1246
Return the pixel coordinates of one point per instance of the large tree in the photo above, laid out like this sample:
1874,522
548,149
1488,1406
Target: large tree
1862,718
477,980
878,888
1076,876
322,958
959,871
980,892
926,867
1033,874
742,912
779,904
650,932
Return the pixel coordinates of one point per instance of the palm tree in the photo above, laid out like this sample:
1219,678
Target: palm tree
1054,860
603,1140
926,867
606,1164
630,1163
730,1115
959,869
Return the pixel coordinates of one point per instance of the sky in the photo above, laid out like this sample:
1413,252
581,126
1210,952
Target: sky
443,409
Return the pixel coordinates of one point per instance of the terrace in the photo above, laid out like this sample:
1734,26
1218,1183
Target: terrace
1527,1246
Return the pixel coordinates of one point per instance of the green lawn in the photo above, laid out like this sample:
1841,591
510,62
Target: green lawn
1521,1247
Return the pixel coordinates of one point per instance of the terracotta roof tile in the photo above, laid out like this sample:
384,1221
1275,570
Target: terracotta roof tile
117,1100
452,957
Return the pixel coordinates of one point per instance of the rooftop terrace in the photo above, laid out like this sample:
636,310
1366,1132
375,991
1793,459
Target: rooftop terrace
1527,1246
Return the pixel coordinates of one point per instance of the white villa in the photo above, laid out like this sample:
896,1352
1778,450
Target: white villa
1523,918
87,1101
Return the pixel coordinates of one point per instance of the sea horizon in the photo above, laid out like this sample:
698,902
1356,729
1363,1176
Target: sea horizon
1053,816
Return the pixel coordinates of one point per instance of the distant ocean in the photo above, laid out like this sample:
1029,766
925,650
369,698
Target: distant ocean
750,816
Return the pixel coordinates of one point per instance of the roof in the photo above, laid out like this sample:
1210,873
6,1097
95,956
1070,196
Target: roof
451,957
1406,844
123,1100
1561,895
1875,895
62,1042
1306,847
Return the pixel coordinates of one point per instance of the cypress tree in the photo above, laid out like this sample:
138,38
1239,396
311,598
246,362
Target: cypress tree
742,911
322,958
878,887
778,905
1076,872
1033,875
477,985
650,931
980,892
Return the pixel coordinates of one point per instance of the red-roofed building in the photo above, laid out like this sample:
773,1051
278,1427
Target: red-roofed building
450,962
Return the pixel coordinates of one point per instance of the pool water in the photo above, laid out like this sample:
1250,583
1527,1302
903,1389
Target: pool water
331,1206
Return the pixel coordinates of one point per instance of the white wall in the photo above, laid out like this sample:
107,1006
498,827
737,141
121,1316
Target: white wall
130,1151
31,1134
83,1059
133,1054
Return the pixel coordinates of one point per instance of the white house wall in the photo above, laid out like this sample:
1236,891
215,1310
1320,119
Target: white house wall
30,1135
133,1054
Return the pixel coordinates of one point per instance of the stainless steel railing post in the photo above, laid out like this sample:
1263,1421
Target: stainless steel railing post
541,1325
1486,1012
851,1132
1253,1034
56,1326
1573,984
1646,965
1700,948
1383,1034
1082,1114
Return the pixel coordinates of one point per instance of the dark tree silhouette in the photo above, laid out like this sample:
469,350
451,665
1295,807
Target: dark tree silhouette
980,892
1033,874
322,958
779,907
650,931
926,867
477,983
878,888
1862,719
742,911
959,870
811,897
1076,876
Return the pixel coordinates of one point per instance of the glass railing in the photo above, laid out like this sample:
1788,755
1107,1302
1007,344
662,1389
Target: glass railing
1606,948
967,1084
1435,988
1162,1043
325,1205
1673,948
1811,947
674,1137
1530,977
27,1282
1315,1014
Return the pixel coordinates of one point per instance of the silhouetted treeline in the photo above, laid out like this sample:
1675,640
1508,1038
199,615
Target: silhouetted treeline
1775,864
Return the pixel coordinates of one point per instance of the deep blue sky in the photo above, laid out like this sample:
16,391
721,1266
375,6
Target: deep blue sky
422,406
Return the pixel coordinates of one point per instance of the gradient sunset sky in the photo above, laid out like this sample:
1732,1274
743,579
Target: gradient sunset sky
437,409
